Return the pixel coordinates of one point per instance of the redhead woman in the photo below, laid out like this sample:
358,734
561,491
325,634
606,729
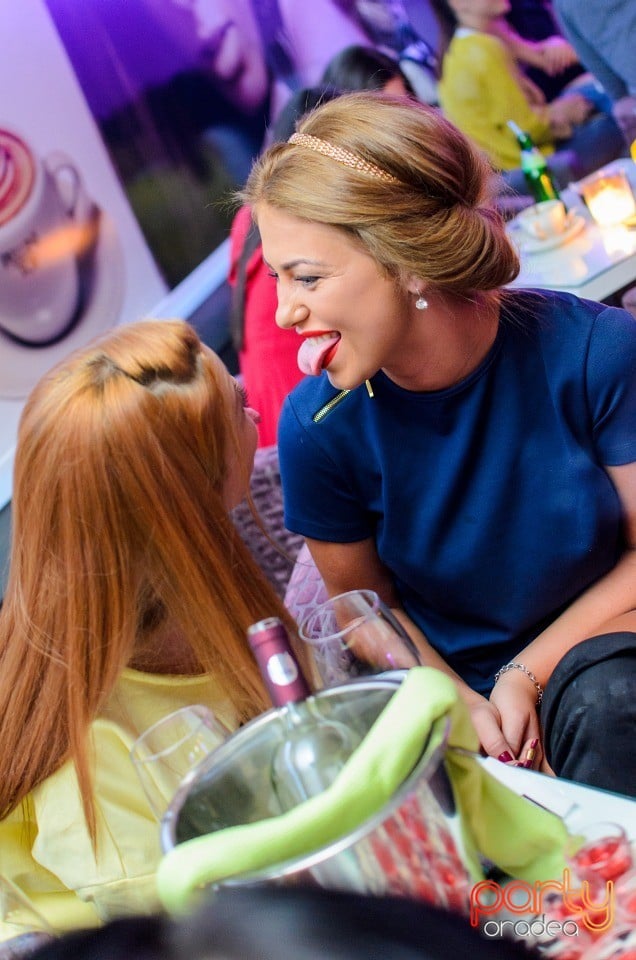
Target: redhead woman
467,451
128,597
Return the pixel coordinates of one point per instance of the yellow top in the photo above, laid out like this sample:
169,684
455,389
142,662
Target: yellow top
479,92
45,847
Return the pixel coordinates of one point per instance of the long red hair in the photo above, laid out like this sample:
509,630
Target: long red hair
119,524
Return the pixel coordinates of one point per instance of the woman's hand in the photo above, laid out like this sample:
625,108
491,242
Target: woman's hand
507,725
567,112
486,720
515,699
556,54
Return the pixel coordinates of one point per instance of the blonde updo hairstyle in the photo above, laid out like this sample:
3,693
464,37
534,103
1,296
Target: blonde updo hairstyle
435,222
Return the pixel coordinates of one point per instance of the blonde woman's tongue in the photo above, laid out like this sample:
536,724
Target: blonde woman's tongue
316,353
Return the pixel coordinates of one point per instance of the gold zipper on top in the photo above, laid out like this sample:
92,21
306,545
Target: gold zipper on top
328,407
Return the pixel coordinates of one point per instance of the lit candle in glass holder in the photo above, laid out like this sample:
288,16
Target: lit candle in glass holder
609,197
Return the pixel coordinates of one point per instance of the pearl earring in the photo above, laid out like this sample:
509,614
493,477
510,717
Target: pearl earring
421,303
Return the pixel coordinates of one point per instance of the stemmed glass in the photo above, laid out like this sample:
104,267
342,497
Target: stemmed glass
600,852
171,749
22,927
356,635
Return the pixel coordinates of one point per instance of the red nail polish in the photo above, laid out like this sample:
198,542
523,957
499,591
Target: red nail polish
534,743
504,757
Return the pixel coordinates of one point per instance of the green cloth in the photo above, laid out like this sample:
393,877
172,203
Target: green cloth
522,839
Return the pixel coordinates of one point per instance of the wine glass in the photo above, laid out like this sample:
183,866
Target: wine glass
168,751
599,852
356,635
22,928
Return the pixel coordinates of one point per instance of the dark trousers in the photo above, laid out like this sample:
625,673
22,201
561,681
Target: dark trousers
588,714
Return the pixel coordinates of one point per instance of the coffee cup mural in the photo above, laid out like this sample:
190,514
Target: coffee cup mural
48,233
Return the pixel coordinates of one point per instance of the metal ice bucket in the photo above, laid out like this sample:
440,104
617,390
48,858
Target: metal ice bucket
411,847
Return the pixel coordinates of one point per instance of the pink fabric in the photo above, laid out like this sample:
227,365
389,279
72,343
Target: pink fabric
276,559
268,359
305,590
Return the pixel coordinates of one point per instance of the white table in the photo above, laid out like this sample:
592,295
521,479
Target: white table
577,806
574,803
595,263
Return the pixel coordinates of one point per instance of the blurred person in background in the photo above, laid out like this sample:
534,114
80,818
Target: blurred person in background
604,36
603,33
259,48
242,49
480,91
365,68
390,29
531,31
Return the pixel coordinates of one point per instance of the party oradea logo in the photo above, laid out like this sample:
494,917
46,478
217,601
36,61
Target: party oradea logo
547,908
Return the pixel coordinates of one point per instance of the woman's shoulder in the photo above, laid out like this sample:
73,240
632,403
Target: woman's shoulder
476,42
46,844
308,397
472,53
316,407
561,304
539,308
45,841
577,330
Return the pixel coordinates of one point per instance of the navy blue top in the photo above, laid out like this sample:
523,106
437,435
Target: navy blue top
488,501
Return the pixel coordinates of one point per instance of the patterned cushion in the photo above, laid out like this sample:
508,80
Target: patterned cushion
267,494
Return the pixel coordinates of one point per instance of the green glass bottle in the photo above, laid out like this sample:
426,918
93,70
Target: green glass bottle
534,166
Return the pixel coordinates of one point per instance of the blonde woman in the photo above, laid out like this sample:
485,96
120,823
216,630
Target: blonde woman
129,596
465,450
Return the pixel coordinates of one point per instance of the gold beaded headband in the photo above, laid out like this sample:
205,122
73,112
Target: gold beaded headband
341,156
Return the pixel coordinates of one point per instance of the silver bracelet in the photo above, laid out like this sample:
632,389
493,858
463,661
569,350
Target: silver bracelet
513,665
